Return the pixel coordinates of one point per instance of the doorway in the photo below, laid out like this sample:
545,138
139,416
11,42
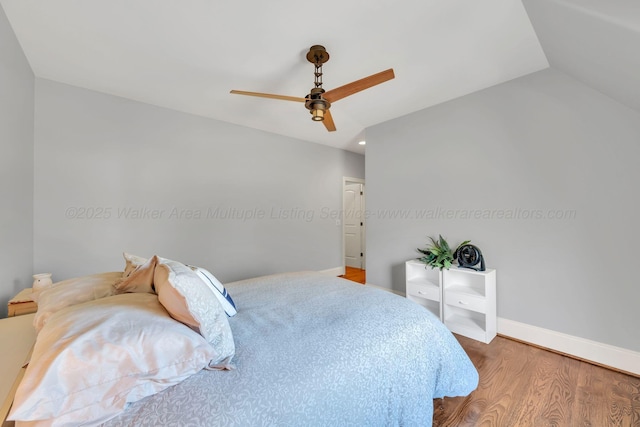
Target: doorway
353,225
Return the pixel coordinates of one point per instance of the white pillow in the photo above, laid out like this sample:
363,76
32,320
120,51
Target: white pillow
73,291
189,300
218,290
91,359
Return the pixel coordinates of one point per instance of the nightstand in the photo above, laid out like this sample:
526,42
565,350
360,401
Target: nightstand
424,286
22,303
464,299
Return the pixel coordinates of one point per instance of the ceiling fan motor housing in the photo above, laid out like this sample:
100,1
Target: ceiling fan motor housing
316,104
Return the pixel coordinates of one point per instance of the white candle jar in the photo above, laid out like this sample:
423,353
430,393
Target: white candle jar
41,281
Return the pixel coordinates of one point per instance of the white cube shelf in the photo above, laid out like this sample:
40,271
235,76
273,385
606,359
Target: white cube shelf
423,286
464,299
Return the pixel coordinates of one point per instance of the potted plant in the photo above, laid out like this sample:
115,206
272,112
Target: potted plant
439,254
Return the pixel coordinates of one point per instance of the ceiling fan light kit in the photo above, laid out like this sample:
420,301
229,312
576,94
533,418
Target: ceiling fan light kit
316,104
317,114
318,101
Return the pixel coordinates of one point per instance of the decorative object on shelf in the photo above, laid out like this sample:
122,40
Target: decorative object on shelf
439,254
41,281
469,256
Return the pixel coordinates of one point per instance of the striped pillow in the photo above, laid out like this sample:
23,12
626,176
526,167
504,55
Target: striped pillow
218,289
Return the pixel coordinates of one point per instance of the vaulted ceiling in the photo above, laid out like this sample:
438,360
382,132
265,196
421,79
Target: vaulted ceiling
188,55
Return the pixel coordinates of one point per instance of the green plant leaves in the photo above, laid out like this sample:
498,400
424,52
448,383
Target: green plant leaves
439,253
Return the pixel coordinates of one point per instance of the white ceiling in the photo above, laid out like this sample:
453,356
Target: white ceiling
187,55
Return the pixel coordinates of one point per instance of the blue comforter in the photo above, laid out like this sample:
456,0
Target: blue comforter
313,350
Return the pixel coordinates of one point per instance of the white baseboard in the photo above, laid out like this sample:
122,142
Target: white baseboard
337,271
599,353
402,294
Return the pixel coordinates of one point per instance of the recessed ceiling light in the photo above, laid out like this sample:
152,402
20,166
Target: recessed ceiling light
362,142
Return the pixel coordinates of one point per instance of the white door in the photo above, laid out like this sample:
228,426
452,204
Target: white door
353,225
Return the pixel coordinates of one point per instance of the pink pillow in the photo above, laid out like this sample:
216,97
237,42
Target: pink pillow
189,300
73,291
140,279
132,262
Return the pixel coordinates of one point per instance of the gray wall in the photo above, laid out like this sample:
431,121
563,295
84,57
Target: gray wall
16,166
114,175
551,168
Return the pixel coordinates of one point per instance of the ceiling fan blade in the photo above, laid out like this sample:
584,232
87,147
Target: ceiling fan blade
269,95
328,121
354,87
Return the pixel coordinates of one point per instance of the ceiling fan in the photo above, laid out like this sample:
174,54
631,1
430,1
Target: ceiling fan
318,101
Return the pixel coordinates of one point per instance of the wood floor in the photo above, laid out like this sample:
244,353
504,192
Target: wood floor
521,385
355,274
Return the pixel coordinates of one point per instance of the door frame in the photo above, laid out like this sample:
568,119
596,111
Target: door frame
363,239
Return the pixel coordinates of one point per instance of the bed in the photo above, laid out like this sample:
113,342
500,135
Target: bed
307,349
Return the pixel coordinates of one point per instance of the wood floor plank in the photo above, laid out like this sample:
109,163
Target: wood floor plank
505,394
538,386
556,408
591,384
624,398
